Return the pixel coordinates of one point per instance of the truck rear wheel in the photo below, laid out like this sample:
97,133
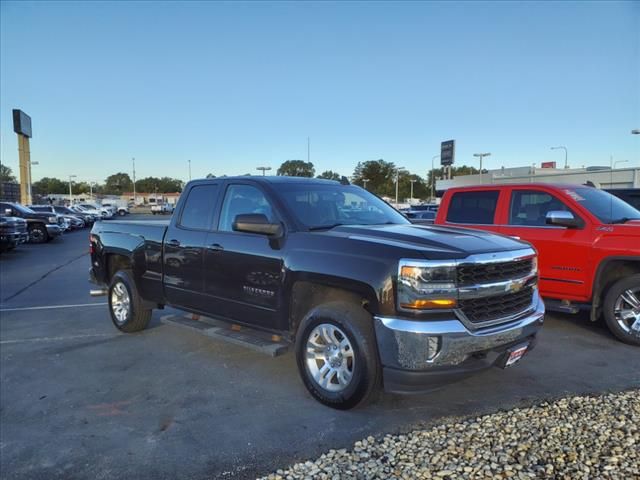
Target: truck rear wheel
622,309
125,305
337,356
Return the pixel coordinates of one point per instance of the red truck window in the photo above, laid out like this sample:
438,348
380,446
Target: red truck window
530,207
476,207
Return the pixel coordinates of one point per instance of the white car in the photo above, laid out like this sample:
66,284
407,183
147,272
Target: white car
161,208
105,212
118,209
97,214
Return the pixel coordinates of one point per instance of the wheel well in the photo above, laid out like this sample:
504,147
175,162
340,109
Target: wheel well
608,274
116,262
307,295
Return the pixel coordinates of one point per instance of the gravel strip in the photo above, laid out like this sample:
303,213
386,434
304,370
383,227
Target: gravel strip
571,438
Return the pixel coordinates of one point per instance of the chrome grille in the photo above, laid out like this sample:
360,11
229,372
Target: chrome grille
485,309
474,274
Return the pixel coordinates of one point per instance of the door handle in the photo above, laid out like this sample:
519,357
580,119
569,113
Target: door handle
173,243
216,247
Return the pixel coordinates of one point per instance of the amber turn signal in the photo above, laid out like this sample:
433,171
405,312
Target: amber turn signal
422,304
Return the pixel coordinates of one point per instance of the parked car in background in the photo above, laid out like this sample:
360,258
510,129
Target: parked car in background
72,221
421,216
629,195
120,207
95,214
13,232
161,208
88,218
588,242
105,212
361,295
41,226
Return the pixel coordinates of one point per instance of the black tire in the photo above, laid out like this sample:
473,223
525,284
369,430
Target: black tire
628,335
137,317
38,233
357,324
121,213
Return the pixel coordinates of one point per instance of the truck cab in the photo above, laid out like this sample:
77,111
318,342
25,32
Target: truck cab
588,243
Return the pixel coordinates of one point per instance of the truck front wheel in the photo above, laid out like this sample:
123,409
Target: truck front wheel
336,355
125,305
622,309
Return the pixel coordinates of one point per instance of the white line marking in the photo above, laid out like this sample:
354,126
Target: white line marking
50,339
47,307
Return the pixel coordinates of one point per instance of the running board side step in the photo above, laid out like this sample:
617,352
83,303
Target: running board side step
562,306
262,342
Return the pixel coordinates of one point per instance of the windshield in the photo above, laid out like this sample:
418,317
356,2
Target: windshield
22,208
320,206
608,208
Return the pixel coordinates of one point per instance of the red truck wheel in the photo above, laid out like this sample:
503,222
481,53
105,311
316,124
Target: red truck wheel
336,355
622,309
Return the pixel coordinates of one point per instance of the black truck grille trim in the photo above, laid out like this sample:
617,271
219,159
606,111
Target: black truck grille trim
492,272
485,309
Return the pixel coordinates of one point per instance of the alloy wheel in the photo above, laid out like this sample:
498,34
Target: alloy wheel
329,357
627,310
120,303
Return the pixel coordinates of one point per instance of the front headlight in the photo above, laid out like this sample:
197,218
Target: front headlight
427,284
52,220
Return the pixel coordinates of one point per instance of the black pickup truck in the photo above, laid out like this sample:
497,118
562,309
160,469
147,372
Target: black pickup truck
363,296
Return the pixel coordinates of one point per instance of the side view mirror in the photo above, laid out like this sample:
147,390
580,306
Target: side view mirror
256,223
561,218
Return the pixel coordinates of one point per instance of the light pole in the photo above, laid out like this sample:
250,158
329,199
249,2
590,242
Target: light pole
433,177
91,184
566,165
189,169
612,165
365,181
30,165
134,180
412,182
263,169
481,156
70,191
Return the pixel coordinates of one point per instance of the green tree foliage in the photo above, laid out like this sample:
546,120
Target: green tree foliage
455,172
163,185
6,174
118,183
330,175
380,175
297,168
49,185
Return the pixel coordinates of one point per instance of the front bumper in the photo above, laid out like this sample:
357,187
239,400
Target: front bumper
419,355
13,238
54,230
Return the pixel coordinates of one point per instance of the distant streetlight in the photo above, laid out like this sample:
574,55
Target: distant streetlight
612,165
433,177
134,180
412,182
91,184
365,181
189,169
635,131
566,165
481,156
30,165
263,169
398,171
70,191
619,161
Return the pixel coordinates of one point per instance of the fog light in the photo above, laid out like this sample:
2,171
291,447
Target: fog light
422,303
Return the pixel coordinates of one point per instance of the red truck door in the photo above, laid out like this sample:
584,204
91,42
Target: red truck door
472,208
564,253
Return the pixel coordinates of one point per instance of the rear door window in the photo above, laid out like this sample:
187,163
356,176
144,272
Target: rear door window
197,213
477,207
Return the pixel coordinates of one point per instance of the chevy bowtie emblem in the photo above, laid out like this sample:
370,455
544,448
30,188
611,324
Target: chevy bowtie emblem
514,287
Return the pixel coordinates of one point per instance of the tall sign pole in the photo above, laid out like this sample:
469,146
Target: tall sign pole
22,127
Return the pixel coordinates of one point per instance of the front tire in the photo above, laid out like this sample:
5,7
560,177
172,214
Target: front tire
38,234
337,356
622,309
127,310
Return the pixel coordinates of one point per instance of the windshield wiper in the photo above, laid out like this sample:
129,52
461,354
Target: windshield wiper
624,220
326,227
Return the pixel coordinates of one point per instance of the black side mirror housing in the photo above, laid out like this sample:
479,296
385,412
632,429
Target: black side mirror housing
561,218
256,223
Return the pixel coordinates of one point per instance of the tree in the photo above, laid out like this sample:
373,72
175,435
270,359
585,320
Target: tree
297,168
380,176
455,172
161,185
49,185
6,174
330,175
118,183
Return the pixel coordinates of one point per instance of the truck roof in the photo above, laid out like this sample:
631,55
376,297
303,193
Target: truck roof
273,179
557,186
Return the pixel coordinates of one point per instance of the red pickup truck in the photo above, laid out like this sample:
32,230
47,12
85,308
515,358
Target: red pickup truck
588,243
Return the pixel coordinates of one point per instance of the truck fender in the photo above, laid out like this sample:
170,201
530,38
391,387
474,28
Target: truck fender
605,276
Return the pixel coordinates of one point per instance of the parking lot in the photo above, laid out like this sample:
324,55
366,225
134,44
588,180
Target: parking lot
80,399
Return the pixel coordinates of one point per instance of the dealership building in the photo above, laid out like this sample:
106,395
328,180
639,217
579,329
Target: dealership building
600,177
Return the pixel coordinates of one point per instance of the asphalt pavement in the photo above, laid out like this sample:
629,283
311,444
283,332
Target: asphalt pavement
78,399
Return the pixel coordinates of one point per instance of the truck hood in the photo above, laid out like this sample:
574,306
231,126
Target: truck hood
459,242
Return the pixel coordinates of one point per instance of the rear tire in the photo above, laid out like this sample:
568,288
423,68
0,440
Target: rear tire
38,233
127,310
338,339
622,309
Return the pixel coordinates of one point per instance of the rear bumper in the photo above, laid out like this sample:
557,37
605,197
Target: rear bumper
418,355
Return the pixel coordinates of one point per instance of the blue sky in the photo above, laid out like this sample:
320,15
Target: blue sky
232,86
